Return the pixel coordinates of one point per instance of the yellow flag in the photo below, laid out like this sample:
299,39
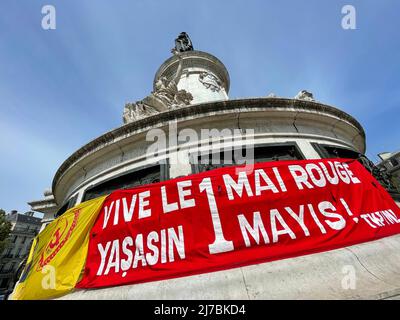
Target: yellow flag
58,254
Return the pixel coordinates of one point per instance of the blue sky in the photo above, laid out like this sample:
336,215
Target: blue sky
61,88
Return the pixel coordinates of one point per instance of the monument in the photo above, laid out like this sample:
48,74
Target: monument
190,91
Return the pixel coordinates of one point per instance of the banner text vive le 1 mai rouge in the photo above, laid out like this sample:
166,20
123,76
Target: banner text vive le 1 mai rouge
230,217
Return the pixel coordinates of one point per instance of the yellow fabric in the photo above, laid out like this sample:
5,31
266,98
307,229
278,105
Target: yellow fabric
58,254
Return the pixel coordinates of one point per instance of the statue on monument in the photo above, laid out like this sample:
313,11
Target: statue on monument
167,90
137,111
165,95
183,43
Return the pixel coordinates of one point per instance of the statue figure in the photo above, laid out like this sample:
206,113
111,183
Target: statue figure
167,90
304,95
164,97
182,98
183,43
136,111
210,81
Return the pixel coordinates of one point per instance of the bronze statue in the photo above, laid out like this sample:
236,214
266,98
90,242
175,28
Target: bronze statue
183,43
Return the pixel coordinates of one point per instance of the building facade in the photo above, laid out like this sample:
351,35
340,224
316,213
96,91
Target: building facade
24,227
390,164
190,98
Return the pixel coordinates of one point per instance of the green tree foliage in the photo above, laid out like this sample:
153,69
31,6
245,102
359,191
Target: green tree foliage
5,228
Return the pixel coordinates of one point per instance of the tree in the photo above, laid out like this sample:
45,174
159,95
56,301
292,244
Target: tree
5,228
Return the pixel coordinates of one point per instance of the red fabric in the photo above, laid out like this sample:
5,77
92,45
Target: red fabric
343,228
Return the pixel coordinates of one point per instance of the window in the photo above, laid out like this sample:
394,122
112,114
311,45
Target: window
262,153
143,176
8,253
329,151
68,205
394,162
62,210
11,268
288,151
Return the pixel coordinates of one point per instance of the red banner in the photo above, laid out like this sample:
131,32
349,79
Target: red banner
231,217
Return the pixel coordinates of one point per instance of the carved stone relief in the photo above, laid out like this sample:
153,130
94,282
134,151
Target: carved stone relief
210,81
